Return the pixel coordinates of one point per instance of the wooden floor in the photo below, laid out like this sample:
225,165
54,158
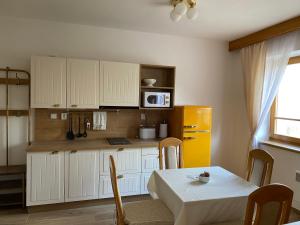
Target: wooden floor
93,215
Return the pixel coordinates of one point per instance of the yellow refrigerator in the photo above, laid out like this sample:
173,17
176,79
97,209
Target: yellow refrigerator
192,124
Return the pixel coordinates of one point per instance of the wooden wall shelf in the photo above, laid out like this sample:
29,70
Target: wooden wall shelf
165,82
14,81
14,112
154,87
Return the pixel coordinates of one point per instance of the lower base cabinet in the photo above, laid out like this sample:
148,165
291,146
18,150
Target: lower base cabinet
82,175
45,178
66,176
144,182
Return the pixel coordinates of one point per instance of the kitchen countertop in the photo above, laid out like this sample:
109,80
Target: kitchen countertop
97,144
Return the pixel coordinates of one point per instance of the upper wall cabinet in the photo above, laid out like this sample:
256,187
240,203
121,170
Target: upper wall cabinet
82,83
119,84
48,82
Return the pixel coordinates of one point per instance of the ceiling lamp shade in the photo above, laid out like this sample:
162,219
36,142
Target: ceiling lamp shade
192,13
175,16
181,8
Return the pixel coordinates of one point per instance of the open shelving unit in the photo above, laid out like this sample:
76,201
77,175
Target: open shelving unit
165,82
12,177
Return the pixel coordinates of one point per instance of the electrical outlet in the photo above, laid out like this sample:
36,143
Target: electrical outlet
53,116
64,116
297,175
143,116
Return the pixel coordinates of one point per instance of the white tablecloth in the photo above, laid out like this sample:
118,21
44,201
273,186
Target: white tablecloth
223,198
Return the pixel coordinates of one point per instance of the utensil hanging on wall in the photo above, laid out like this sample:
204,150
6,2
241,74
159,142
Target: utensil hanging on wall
84,127
79,134
70,134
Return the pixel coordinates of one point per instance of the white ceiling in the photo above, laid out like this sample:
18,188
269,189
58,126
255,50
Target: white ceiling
218,19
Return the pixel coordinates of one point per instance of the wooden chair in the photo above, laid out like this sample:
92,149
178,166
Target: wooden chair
150,212
272,203
268,205
260,167
165,147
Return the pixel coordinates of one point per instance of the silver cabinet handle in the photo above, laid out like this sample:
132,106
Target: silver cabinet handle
189,126
56,105
54,152
120,149
189,138
74,106
120,176
73,151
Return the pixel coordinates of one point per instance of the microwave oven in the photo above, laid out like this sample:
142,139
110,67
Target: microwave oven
157,99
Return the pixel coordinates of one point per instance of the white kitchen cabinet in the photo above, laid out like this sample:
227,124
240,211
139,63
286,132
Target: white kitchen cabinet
150,163
82,83
48,82
45,178
81,175
128,160
128,184
119,84
144,182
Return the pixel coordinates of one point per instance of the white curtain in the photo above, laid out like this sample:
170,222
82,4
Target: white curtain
264,65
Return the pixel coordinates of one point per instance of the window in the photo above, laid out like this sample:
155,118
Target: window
285,116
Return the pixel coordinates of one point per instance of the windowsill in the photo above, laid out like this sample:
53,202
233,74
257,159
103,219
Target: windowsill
284,146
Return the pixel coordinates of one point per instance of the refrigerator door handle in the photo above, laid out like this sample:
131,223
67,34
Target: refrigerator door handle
189,126
196,131
189,138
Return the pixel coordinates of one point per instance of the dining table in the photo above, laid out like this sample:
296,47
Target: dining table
192,202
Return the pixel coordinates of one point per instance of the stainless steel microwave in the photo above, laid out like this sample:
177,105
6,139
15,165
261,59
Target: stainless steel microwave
157,99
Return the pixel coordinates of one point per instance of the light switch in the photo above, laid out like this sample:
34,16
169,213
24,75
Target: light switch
53,116
64,116
143,116
297,176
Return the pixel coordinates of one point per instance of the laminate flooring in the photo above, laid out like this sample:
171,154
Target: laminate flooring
102,214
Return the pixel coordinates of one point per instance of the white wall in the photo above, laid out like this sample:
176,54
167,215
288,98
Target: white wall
203,76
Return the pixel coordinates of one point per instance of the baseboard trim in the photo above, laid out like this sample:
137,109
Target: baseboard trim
79,204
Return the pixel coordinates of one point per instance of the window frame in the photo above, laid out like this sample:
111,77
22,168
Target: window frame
277,137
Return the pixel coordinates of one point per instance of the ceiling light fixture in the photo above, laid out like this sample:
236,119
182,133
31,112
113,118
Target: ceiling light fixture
182,7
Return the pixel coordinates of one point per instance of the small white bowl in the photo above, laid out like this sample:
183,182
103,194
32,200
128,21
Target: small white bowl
204,179
149,82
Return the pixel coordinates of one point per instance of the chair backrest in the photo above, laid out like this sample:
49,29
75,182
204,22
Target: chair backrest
118,201
260,167
170,148
269,205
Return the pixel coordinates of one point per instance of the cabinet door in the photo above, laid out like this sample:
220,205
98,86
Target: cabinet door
45,178
119,84
82,175
48,82
150,163
128,184
127,160
82,83
144,182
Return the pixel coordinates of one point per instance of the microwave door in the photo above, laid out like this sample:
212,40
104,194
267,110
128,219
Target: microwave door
152,99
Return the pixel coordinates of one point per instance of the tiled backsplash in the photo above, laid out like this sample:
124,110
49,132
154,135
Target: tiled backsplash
122,123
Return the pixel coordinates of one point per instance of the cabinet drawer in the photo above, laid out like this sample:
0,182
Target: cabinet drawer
150,151
150,163
129,184
127,160
144,182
